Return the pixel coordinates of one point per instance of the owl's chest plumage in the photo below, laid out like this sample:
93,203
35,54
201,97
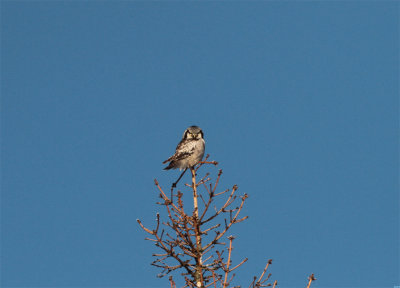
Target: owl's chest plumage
189,152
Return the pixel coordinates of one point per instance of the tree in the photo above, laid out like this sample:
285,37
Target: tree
193,243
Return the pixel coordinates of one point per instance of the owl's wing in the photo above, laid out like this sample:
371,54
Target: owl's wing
184,149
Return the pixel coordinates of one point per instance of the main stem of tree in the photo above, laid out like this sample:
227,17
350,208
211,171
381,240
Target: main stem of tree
199,252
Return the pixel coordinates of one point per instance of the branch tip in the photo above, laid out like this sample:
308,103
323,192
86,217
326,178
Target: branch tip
310,279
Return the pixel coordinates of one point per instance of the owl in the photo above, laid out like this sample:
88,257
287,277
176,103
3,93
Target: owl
189,151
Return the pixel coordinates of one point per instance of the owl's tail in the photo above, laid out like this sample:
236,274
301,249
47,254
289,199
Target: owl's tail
171,165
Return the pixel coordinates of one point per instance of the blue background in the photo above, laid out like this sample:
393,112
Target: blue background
298,102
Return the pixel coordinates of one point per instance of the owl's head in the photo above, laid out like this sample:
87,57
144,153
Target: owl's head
193,132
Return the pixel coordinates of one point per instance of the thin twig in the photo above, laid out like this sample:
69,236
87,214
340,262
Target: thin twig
265,270
310,279
228,263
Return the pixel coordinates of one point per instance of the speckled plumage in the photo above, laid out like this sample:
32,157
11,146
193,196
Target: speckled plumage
189,151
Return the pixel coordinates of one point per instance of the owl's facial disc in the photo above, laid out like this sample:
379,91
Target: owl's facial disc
193,132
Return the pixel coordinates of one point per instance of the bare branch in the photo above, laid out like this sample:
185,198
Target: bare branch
228,263
265,270
171,281
311,278
188,240
144,228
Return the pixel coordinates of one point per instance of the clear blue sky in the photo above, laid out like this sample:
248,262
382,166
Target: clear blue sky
298,102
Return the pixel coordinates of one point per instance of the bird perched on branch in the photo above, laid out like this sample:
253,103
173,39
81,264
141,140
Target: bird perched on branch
189,151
